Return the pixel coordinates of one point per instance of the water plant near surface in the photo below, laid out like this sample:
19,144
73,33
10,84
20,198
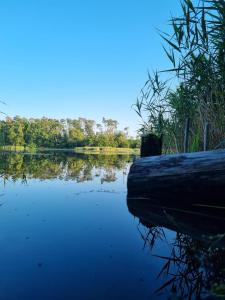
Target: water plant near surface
195,83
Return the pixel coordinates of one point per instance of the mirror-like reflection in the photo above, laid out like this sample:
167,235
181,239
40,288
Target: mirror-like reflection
67,231
195,266
64,166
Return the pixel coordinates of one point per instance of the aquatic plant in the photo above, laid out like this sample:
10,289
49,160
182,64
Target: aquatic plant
195,84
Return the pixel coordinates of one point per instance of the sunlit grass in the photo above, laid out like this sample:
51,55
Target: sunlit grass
17,148
106,150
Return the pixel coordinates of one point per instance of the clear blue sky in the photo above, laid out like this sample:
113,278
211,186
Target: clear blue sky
72,58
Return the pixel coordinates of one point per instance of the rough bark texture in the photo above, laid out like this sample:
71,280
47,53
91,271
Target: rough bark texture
180,177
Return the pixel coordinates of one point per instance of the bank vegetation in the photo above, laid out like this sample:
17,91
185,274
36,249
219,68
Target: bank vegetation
194,86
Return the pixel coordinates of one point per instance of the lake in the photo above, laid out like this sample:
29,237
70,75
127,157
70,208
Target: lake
68,231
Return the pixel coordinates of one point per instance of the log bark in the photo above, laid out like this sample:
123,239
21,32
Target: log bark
180,177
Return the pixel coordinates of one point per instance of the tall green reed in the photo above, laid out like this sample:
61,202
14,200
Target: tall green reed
195,84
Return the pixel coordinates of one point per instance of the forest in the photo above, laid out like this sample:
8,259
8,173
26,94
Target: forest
65,133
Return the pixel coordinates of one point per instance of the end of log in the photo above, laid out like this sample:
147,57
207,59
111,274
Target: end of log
151,145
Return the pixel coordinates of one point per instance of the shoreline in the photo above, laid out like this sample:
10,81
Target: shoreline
77,150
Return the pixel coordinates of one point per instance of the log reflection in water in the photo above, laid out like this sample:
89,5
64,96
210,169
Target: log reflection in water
195,268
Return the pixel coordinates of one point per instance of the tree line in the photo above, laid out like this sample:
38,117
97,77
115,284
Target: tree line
64,133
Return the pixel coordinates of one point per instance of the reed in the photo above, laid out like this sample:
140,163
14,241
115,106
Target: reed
195,83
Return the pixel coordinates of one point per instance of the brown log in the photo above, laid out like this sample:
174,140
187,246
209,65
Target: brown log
180,177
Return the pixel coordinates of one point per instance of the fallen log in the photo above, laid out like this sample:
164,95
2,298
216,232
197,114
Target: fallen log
180,177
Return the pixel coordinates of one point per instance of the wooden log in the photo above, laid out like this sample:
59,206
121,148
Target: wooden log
180,177
151,145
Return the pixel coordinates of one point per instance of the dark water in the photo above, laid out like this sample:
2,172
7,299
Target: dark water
68,231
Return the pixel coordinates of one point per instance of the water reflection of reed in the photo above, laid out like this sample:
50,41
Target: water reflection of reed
195,267
79,168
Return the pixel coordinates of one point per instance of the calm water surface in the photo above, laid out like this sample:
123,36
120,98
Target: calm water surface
67,231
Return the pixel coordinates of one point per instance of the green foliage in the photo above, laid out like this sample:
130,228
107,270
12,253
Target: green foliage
21,133
196,85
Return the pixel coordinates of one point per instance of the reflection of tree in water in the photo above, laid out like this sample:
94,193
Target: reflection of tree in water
195,265
109,175
64,167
